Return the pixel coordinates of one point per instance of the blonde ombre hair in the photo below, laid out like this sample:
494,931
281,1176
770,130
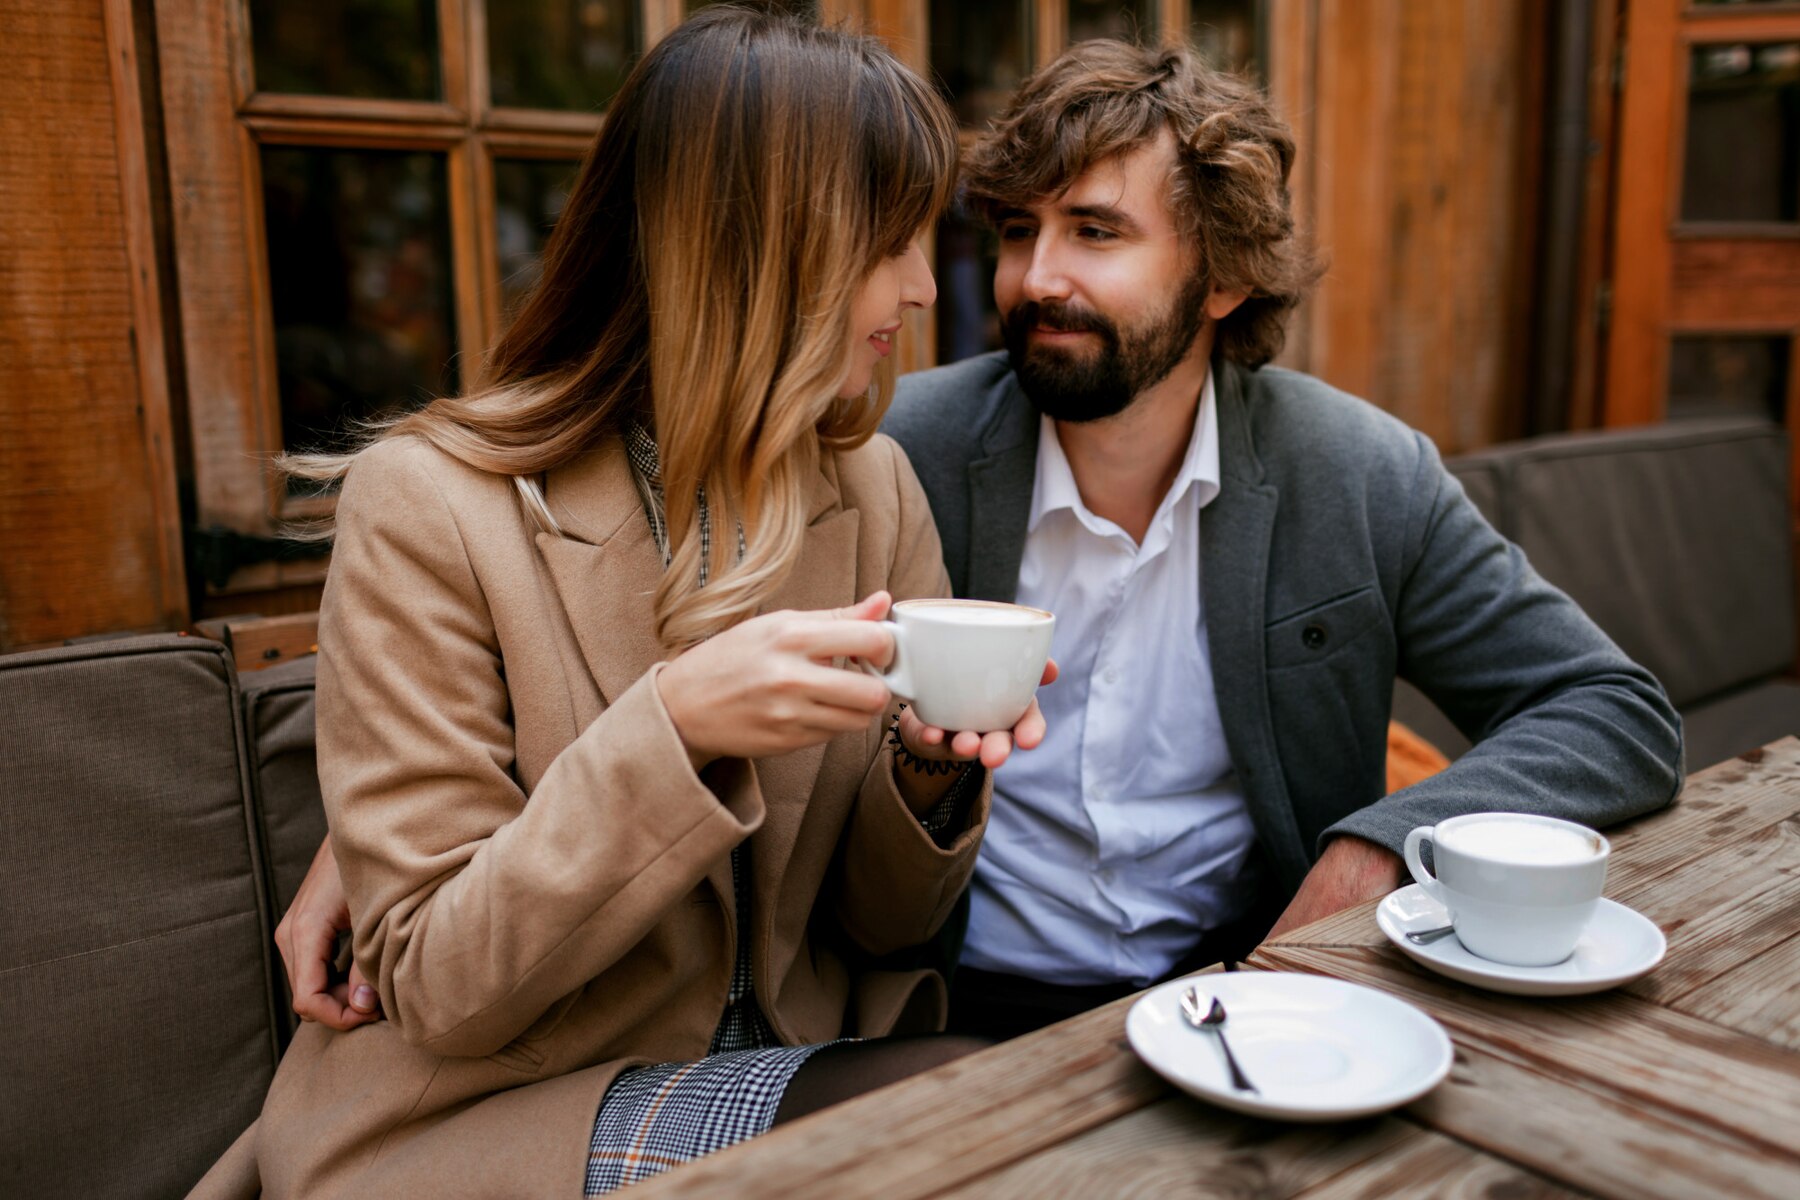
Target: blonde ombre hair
752,171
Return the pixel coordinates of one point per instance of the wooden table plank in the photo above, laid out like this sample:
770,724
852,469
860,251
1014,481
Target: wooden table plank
1183,1147
1664,1062
1443,1168
922,1135
1722,910
1760,998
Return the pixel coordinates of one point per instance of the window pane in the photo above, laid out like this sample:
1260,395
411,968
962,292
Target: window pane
528,197
385,49
967,321
560,54
979,53
1227,34
1715,376
1133,20
359,270
1743,134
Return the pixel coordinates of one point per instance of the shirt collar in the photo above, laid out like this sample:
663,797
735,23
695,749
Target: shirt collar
1055,486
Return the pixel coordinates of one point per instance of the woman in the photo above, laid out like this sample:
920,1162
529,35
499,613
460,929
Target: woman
620,852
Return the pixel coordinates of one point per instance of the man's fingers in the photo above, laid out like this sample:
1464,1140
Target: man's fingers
1028,734
1051,671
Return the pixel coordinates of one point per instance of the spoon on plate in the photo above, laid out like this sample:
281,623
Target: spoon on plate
1214,1019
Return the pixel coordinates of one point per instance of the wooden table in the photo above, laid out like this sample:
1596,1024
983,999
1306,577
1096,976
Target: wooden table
1683,1084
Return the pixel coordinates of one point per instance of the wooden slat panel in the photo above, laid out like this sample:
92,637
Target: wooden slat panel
1699,1073
1757,998
1293,85
1183,1147
1449,1169
86,473
1723,910
926,1134
1740,283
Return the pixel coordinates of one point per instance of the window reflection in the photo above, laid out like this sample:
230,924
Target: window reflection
1715,376
385,49
359,273
568,55
1743,133
529,195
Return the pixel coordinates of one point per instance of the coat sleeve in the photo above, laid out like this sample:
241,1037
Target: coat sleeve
1564,724
895,885
476,906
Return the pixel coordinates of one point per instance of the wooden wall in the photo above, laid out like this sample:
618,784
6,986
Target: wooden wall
89,529
1419,142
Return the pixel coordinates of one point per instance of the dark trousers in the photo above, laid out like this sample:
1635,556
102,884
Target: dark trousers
996,1006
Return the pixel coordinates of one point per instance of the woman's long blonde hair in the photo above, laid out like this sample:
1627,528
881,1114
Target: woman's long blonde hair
752,171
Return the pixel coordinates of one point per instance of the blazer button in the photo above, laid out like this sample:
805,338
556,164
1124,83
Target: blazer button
1313,636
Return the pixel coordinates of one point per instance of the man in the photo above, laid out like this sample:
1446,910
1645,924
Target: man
1241,561
1240,558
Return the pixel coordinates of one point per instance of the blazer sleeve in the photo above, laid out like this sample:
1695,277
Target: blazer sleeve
1564,724
476,906
895,886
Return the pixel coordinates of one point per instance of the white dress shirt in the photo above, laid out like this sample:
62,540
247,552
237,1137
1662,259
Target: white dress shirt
1117,842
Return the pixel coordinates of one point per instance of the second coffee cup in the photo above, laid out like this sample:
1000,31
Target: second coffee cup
967,664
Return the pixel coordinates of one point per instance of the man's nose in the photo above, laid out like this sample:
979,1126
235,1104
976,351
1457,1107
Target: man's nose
1045,278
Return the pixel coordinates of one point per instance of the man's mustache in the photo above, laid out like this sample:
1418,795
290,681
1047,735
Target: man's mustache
1062,318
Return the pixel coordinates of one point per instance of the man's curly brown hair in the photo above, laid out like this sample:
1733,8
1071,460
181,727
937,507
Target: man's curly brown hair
1230,193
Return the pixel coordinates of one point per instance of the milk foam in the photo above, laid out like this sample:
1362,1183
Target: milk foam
1520,842
975,614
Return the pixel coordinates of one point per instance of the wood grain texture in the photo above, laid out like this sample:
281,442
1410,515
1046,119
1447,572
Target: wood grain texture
87,503
1451,1169
1181,1146
1757,997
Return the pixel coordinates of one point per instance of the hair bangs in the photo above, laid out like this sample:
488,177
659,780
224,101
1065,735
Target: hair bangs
909,147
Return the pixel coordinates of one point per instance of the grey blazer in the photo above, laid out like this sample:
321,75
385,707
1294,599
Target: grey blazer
1338,556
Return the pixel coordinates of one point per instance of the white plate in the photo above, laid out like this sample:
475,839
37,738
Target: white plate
1317,1049
1618,945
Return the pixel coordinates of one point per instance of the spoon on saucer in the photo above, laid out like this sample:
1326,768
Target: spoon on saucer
1424,937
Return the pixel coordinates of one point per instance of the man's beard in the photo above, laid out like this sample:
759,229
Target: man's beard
1078,384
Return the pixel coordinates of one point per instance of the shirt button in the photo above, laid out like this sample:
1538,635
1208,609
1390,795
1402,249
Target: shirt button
1112,676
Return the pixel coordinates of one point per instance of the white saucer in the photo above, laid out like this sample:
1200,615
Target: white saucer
1317,1049
1618,945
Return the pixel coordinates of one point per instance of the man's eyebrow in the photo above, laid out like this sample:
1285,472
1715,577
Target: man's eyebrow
1116,217
1008,213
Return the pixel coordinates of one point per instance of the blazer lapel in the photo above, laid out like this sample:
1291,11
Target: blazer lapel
1235,533
1000,486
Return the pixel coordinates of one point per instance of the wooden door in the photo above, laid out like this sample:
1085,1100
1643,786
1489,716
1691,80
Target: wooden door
1705,289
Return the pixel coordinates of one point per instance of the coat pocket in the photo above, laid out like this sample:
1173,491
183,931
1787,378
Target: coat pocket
526,1052
1314,634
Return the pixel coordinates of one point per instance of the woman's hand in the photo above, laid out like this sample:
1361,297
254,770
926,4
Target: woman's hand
307,938
768,686
940,745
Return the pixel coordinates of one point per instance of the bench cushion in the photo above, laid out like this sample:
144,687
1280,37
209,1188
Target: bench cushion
139,1035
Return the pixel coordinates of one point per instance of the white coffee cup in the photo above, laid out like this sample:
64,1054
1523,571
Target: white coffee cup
967,664
1520,888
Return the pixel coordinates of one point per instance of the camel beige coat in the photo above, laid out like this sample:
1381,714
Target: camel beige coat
541,884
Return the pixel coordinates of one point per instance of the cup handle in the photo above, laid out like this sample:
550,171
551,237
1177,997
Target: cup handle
1416,864
898,676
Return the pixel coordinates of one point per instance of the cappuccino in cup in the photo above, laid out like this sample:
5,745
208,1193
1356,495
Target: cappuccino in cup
967,664
1520,888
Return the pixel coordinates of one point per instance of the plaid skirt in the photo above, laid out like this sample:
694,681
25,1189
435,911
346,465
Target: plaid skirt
654,1118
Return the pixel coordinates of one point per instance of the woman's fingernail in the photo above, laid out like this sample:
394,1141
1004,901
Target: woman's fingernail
364,999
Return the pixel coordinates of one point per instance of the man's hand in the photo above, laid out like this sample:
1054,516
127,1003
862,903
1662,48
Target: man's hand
307,938
1349,872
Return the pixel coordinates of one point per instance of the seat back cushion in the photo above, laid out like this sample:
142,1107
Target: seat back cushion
137,1034
278,719
1675,538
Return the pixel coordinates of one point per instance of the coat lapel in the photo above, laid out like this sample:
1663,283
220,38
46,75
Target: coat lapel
1000,487
1235,533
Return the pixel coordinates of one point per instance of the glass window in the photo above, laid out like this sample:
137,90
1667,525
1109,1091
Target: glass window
529,195
359,274
1743,133
1134,20
1715,375
386,49
568,55
1228,34
980,53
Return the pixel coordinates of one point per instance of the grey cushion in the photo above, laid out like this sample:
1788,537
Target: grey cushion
138,1035
1719,728
1674,538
